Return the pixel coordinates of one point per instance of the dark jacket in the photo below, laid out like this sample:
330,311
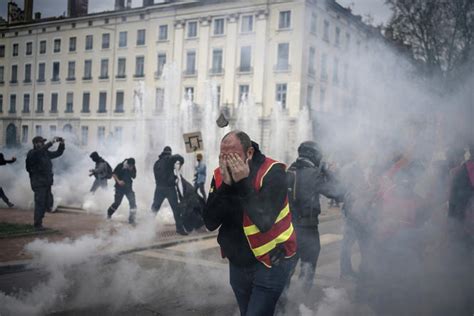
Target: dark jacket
100,171
190,206
164,169
462,191
305,183
125,175
225,206
39,165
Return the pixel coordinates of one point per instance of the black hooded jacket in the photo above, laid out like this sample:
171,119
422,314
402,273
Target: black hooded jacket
305,183
225,206
164,169
39,165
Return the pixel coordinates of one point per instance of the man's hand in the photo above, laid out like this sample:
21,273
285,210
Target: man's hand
239,169
223,166
121,183
13,158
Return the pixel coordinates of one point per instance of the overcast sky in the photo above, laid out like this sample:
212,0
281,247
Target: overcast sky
376,8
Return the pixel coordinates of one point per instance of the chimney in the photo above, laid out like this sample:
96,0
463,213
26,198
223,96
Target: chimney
28,9
119,4
77,8
147,3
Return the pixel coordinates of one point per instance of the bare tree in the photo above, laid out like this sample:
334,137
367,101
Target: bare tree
439,32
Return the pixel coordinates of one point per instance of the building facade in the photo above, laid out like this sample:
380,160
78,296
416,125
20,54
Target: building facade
80,75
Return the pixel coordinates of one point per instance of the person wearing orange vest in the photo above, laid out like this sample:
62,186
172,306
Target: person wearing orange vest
248,202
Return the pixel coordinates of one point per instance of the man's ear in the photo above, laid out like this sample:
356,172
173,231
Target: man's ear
250,153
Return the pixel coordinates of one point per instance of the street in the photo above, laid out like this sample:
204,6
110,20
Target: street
183,279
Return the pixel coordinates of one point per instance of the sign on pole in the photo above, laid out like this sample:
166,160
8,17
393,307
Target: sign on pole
193,142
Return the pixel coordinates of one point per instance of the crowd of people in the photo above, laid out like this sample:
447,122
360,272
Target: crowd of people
412,217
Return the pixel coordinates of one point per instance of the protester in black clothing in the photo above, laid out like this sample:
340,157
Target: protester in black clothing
165,179
3,196
248,193
306,181
40,168
123,174
100,172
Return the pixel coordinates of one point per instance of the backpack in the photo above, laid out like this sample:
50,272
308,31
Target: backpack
108,175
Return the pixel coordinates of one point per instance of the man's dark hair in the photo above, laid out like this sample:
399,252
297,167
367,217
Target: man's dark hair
243,138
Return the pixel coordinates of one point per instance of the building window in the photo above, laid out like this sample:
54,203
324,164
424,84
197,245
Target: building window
39,130
219,26
2,74
119,102
39,103
52,130
106,41
139,66
26,103
87,69
27,73
346,76
284,21
89,42
218,96
86,98
335,75
24,134
283,56
14,77
192,29
42,49
72,44
29,48
314,23
159,99
312,59
141,37
245,58
101,134
15,50
1,103
326,31
118,133
57,45
102,102
348,40
281,90
216,61
41,72
161,64
247,24
71,70
122,62
69,102
12,103
309,95
123,39
104,69
163,33
54,102
322,97
2,51
243,93
324,67
338,36
189,94
55,71
84,135
191,63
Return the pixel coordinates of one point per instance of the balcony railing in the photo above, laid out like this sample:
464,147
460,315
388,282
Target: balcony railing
244,70
190,73
71,79
282,68
216,71
120,76
87,78
103,77
142,75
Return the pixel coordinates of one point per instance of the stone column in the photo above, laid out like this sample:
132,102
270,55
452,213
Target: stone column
203,60
230,59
